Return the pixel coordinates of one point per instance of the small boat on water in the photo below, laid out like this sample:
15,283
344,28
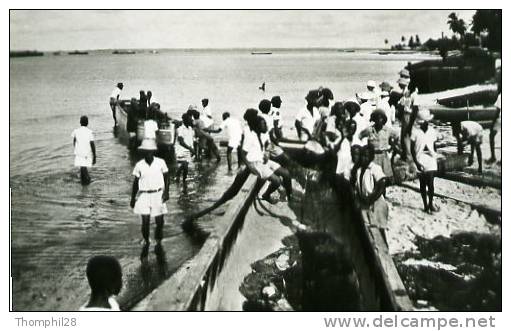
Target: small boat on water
25,53
383,52
78,53
117,52
131,121
261,53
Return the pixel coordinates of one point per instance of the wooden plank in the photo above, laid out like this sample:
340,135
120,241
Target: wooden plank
179,291
394,287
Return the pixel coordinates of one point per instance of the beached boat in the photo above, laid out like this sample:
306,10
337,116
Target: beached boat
131,126
473,66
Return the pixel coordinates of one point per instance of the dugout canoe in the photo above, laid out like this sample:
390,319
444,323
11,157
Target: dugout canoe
476,113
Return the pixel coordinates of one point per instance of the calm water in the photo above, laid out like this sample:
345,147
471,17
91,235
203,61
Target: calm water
57,224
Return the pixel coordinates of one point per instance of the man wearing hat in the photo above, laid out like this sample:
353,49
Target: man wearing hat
150,191
114,99
423,154
276,102
371,88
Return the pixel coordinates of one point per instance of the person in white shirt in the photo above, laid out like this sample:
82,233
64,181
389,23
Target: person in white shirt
305,120
257,160
276,103
363,122
370,186
150,192
422,144
114,99
184,146
469,132
104,274
206,114
84,149
234,131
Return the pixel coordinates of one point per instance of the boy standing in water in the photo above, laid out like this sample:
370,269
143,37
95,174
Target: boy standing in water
150,192
104,274
85,150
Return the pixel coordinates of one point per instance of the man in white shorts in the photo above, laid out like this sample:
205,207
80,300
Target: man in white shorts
85,150
184,146
234,131
150,192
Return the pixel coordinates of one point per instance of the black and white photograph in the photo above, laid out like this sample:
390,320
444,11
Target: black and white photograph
262,160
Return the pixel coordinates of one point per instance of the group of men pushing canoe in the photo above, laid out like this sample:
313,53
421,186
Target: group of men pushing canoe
361,134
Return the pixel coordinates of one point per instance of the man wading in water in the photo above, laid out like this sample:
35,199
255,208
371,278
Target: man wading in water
114,99
85,150
150,192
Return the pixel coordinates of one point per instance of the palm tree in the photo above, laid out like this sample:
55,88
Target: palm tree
457,25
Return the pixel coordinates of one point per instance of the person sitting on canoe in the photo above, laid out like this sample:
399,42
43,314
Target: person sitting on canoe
378,135
469,132
276,103
424,156
307,116
114,99
370,186
254,156
234,131
104,274
184,147
150,192
84,149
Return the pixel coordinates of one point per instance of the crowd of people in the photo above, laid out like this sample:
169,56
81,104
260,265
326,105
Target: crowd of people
362,134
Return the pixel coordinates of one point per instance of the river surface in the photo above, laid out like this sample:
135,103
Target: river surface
57,225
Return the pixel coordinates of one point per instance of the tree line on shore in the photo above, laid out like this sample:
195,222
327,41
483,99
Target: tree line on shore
485,30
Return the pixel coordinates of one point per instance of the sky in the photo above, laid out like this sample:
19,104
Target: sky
102,29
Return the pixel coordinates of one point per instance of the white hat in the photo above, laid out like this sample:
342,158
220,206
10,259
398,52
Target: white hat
403,81
404,73
148,144
371,83
424,115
